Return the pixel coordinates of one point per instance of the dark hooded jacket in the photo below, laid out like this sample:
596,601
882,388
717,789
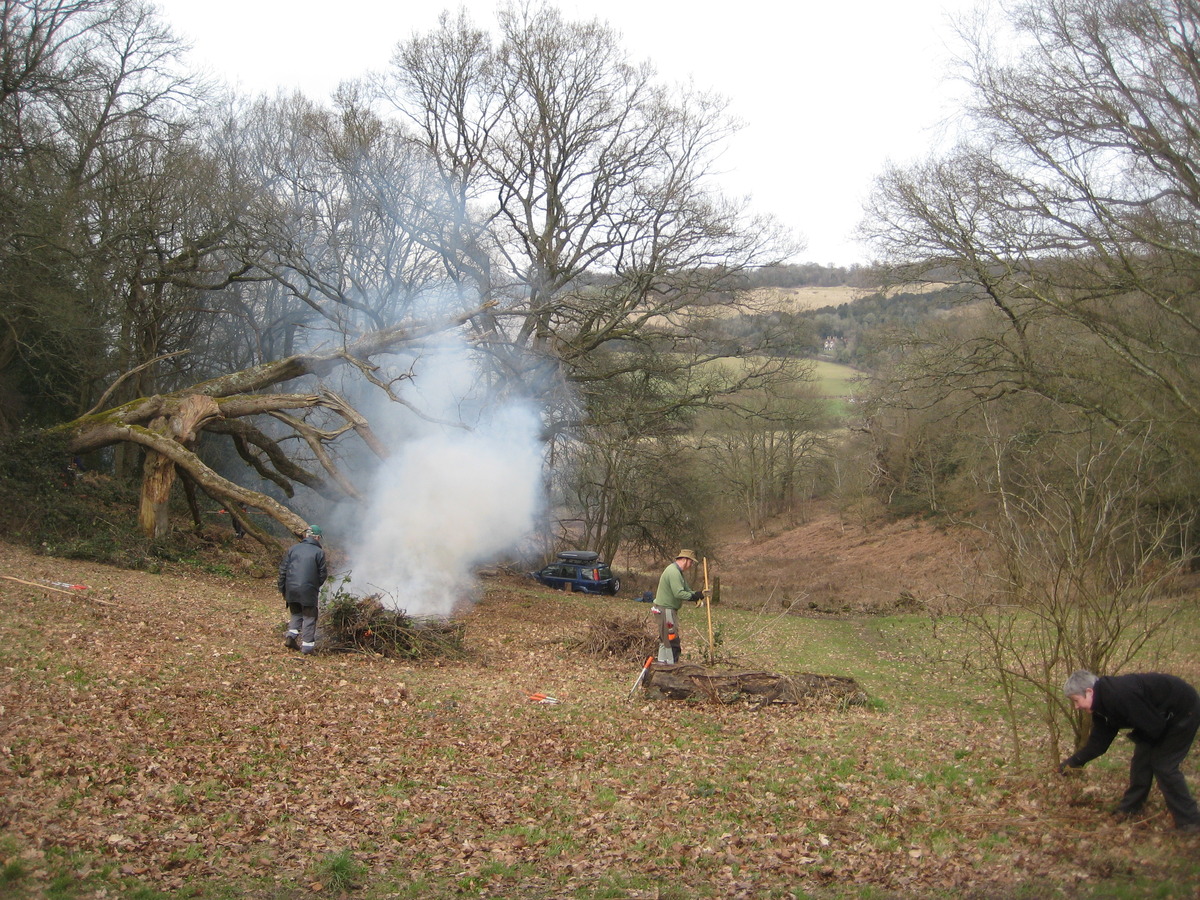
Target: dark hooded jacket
302,572
1148,703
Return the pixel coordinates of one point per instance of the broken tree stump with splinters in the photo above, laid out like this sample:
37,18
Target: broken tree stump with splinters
684,681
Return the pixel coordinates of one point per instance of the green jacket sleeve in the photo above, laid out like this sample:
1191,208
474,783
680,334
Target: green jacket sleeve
672,588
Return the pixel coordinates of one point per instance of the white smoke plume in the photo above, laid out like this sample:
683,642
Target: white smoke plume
447,499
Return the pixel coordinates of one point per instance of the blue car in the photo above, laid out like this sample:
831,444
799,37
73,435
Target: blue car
579,571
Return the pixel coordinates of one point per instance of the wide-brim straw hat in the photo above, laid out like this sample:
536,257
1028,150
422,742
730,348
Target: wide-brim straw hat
687,554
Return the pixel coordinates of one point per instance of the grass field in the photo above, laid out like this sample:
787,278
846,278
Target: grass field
162,743
829,379
833,379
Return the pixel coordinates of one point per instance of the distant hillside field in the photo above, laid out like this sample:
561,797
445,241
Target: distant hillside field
800,299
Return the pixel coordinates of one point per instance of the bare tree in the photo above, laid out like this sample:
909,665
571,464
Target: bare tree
1074,571
763,452
116,217
581,202
1069,215
1072,208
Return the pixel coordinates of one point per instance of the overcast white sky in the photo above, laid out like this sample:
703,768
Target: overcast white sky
828,92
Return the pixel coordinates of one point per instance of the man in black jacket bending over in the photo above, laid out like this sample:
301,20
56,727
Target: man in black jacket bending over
1164,712
301,574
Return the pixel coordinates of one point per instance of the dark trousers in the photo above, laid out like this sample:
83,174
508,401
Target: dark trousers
303,622
1161,761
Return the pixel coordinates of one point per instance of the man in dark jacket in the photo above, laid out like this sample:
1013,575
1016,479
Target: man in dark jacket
1164,712
301,574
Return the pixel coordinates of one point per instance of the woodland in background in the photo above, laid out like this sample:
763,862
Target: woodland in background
208,286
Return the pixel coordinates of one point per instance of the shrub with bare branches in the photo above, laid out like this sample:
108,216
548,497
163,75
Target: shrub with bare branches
614,636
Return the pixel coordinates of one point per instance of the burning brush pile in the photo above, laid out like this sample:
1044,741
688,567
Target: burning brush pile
364,624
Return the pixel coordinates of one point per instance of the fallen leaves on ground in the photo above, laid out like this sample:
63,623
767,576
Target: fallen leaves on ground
172,736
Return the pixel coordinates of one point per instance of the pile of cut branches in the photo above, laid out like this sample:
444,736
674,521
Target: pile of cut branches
613,636
364,624
685,681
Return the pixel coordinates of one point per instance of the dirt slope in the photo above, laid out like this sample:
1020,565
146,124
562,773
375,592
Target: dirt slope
836,564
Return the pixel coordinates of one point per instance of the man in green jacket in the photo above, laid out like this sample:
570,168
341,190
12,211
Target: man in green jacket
672,591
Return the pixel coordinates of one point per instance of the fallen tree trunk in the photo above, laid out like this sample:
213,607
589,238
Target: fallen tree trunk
684,681
167,426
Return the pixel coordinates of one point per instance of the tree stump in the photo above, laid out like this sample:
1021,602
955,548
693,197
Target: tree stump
684,681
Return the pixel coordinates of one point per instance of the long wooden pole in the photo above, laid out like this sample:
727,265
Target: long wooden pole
46,587
712,652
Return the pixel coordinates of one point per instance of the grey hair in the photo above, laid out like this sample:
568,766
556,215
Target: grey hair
1079,682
